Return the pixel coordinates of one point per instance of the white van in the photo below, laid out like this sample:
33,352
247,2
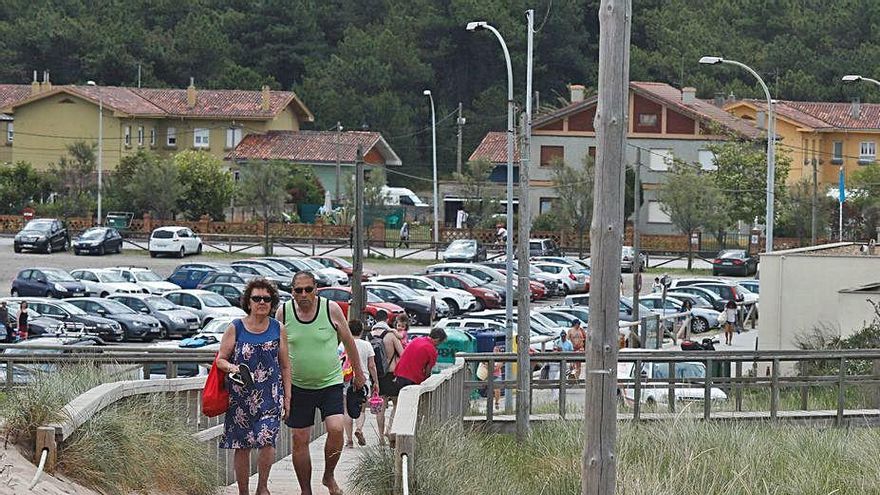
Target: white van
402,196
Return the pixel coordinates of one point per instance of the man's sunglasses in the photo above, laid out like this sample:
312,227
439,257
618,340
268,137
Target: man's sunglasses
259,299
300,290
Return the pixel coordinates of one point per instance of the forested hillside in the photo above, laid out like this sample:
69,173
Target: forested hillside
366,62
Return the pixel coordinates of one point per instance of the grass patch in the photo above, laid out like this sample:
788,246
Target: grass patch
140,445
677,457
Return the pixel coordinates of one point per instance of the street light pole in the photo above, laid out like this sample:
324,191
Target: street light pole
771,143
848,79
100,146
508,306
427,93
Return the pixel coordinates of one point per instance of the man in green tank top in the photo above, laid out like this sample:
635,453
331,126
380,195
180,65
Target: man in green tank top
315,327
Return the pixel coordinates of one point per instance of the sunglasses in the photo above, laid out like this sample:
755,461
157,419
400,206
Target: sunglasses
259,299
300,290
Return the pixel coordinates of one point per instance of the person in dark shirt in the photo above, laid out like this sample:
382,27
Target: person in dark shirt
4,321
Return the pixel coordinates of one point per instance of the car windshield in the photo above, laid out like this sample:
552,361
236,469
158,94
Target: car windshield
462,245
471,280
262,270
279,268
160,303
42,225
550,268
218,325
373,298
116,307
146,276
93,234
682,370
314,264
543,320
342,263
70,308
214,301
732,255
743,289
58,276
109,277
163,234
404,292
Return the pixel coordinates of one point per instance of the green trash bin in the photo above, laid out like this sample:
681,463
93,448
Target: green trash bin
456,341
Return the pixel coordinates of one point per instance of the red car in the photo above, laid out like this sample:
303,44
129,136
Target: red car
344,265
342,297
487,297
537,290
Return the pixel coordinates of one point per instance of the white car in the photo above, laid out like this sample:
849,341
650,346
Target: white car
145,278
179,241
208,305
458,300
573,279
689,377
103,282
703,318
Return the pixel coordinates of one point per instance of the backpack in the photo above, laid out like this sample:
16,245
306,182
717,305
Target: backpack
381,358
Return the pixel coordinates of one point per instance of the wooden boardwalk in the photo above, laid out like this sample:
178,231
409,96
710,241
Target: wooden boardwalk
282,479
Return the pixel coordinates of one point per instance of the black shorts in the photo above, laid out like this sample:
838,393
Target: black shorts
386,385
396,383
303,403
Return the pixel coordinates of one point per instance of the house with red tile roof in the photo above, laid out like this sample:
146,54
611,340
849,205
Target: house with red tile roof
665,123
48,118
827,135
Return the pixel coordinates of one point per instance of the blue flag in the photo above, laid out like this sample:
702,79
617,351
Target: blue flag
842,194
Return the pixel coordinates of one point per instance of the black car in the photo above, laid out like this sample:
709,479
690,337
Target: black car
98,240
39,325
172,319
46,282
221,278
42,234
735,262
233,292
416,306
135,325
105,328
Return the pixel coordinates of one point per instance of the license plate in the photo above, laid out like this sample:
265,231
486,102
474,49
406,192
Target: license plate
726,262
194,326
78,294
154,330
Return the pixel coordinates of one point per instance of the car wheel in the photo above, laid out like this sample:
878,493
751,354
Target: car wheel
413,318
163,331
153,254
101,251
14,292
104,294
66,246
76,252
199,249
453,307
370,320
17,249
48,294
480,305
699,325
119,248
182,252
48,247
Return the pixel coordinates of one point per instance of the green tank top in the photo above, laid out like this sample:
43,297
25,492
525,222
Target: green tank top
312,346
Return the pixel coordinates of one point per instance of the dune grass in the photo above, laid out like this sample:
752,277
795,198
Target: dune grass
678,457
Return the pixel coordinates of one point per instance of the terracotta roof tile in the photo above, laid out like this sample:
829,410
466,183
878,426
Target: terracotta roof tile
226,103
827,115
304,146
494,147
10,94
124,100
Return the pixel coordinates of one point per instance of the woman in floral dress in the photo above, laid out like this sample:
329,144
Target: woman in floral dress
255,410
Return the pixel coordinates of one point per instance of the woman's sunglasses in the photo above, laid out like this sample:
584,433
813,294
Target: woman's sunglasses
259,299
300,290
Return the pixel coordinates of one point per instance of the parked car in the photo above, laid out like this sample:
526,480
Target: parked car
572,278
543,247
103,282
580,312
565,260
222,278
688,383
628,257
713,298
480,272
725,289
105,328
464,251
98,240
189,278
145,278
207,304
135,325
294,265
551,282
753,286
334,276
537,290
178,241
486,295
39,325
416,306
538,342
42,234
173,319
625,306
249,272
734,262
372,307
458,300
233,293
702,319
28,373
344,265
561,318
46,282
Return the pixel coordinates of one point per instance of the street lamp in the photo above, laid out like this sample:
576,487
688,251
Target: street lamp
855,78
100,145
427,93
850,78
771,142
474,26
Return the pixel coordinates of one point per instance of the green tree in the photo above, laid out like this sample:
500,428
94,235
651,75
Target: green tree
302,184
574,188
864,200
73,180
688,196
742,177
262,186
20,184
207,185
796,211
482,198
146,171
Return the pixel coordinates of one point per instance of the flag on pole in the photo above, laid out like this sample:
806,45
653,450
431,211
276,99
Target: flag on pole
842,194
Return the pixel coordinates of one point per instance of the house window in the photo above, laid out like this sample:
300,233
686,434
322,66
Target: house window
837,153
707,160
236,175
647,119
867,152
172,137
9,132
660,159
549,154
233,137
591,152
152,136
140,135
656,214
127,135
201,138
545,205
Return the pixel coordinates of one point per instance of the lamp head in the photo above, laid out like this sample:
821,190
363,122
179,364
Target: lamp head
851,78
91,83
711,60
476,25
426,92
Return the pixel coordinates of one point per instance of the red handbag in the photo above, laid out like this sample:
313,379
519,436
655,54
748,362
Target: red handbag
215,397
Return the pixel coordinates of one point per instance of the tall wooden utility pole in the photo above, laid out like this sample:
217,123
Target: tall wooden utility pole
460,122
599,466
357,252
637,254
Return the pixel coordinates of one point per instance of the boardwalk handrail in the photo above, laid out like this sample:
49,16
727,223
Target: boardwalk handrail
438,399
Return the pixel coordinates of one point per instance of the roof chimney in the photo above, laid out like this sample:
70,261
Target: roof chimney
264,101
688,95
191,93
856,109
46,84
35,85
578,91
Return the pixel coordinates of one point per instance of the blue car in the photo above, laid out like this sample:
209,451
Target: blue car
46,282
189,278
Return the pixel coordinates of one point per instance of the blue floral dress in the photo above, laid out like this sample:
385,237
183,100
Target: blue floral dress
254,414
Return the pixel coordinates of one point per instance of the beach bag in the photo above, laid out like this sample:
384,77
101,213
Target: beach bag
215,397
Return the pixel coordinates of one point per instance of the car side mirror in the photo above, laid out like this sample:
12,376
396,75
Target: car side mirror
629,311
101,312
145,310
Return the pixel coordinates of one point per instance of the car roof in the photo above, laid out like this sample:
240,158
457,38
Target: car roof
195,292
137,295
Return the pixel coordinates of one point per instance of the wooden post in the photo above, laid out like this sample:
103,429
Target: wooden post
563,381
46,440
738,388
637,390
599,468
876,373
357,291
490,392
670,390
707,391
774,390
841,392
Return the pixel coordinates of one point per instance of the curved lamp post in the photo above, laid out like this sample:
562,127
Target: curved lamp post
100,145
427,93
